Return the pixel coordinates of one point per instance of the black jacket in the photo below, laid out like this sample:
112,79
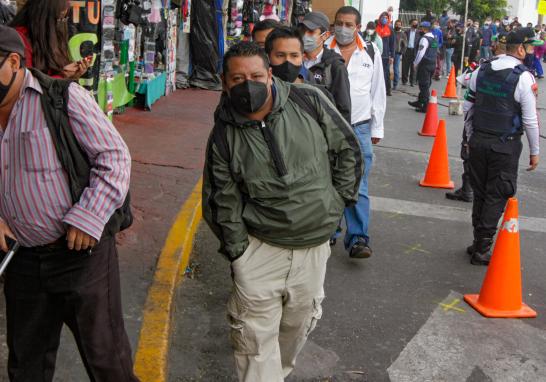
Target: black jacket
332,73
415,40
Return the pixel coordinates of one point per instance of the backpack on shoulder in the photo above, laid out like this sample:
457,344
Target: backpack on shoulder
73,158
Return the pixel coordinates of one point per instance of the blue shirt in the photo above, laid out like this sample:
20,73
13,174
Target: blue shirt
439,37
487,35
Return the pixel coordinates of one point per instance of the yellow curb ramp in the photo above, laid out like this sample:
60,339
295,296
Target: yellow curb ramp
153,346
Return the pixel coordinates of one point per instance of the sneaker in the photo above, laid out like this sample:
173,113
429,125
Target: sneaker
421,109
360,250
333,242
415,104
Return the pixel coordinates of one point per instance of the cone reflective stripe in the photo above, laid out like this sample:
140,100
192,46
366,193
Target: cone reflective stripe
451,87
501,293
430,125
437,174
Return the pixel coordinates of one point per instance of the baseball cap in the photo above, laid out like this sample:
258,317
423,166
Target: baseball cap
11,42
316,20
425,24
521,36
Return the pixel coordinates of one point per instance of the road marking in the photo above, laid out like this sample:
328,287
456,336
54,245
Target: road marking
452,306
467,347
436,211
416,248
153,345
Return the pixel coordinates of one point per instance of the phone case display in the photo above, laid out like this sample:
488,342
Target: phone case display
108,53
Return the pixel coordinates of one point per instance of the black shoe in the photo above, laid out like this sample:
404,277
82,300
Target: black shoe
471,248
421,109
333,242
415,104
412,84
360,250
460,195
482,252
404,83
389,93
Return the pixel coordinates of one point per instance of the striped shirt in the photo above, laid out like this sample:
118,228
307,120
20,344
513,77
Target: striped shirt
35,199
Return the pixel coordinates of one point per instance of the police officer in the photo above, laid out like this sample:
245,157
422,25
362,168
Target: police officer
465,193
500,105
425,62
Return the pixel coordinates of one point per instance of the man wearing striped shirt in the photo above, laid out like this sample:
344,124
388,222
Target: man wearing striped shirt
55,278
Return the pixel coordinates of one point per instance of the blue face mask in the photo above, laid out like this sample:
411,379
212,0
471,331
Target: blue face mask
384,21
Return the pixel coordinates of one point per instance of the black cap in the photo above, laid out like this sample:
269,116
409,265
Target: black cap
521,36
11,42
316,20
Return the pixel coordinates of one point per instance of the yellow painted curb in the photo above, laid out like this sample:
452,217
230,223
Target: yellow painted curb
153,346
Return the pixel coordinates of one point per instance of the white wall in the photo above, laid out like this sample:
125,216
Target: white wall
525,10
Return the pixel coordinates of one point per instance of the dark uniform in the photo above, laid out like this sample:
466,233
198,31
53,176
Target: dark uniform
496,127
426,65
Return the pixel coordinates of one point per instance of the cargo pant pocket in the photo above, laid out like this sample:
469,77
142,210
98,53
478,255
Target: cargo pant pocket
242,336
507,184
316,314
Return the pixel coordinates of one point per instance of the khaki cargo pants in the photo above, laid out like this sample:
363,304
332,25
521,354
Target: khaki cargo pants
274,306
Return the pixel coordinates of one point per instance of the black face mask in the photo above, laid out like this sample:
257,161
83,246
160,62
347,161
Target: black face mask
248,97
398,29
4,89
287,71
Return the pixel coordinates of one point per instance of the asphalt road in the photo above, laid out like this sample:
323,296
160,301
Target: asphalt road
397,316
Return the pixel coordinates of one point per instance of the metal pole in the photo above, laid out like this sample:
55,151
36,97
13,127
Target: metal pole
464,42
8,258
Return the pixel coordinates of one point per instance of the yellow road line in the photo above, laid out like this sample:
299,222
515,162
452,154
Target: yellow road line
153,345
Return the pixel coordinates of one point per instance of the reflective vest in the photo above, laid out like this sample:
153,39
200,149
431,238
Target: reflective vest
496,111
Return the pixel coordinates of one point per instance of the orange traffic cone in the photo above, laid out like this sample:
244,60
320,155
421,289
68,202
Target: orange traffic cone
430,125
500,295
451,88
437,175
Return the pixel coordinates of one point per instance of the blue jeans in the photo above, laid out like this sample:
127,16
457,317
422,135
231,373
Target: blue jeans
358,216
397,62
485,52
449,55
538,67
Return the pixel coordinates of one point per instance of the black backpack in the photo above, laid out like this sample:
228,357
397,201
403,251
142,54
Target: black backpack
73,158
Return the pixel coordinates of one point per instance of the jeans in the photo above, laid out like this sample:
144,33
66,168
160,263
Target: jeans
358,216
397,62
485,52
387,73
449,56
538,67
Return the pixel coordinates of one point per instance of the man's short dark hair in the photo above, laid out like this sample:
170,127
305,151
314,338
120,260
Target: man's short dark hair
264,25
282,32
348,10
245,49
512,48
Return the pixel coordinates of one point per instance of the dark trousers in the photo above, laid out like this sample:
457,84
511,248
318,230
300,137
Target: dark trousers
493,173
407,66
48,287
424,78
387,73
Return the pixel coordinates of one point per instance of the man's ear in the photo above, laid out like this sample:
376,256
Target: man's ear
14,61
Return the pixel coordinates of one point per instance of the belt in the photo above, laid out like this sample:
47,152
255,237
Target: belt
361,123
58,244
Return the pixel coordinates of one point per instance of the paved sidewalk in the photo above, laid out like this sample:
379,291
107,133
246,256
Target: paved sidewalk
167,146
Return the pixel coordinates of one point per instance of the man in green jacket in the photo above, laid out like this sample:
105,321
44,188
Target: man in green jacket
281,165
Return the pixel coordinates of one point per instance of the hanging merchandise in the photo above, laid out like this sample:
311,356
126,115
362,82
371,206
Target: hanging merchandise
269,11
220,22
129,12
251,15
299,9
183,49
204,45
172,29
235,21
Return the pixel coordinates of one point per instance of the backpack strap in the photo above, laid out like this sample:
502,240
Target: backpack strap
370,50
298,96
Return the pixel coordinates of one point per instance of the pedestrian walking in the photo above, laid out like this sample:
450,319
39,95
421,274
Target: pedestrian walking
386,33
408,70
43,26
499,119
273,197
439,36
63,204
425,62
262,29
449,36
371,35
486,41
325,67
401,47
368,110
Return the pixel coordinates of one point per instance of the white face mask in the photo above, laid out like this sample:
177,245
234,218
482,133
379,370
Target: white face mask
370,32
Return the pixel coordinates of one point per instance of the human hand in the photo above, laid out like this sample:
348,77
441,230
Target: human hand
79,240
75,70
5,231
391,61
375,141
533,162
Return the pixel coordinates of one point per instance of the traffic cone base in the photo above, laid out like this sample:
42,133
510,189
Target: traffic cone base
450,185
427,134
524,312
